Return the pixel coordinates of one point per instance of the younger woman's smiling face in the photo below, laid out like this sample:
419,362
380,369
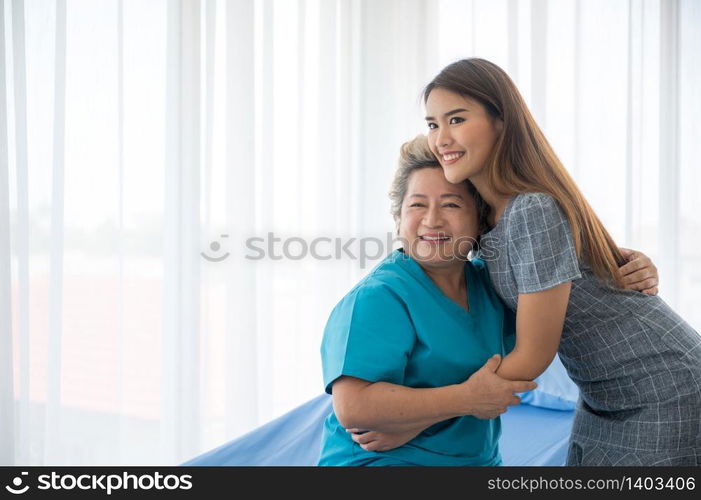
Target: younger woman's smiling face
438,222
461,133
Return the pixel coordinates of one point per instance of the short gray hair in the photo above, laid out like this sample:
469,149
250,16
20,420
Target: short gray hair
413,155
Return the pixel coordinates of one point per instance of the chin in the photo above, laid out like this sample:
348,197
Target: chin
450,261
454,175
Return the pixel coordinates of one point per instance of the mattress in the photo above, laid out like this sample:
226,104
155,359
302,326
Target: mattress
531,436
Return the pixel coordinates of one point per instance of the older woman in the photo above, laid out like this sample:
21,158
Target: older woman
411,351
404,350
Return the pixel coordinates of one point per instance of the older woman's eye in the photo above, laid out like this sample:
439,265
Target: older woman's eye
417,204
451,205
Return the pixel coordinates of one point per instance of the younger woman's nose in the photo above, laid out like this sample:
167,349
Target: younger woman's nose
443,137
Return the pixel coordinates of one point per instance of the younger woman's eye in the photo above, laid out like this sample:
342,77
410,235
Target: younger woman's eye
456,119
431,126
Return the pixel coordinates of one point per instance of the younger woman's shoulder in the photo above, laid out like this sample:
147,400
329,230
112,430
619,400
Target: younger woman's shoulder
535,208
529,200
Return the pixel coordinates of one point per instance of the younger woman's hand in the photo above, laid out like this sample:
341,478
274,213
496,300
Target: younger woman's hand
639,273
382,441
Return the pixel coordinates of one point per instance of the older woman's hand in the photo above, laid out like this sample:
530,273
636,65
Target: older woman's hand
486,395
639,273
382,441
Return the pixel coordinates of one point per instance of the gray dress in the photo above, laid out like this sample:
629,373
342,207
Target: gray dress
636,362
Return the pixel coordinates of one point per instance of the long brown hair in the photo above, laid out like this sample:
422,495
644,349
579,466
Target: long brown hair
522,160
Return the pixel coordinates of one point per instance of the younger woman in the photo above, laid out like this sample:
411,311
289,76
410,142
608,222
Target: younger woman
636,362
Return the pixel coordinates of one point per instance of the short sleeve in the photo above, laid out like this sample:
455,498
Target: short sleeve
541,249
369,335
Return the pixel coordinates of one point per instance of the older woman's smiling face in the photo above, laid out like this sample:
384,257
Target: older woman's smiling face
438,222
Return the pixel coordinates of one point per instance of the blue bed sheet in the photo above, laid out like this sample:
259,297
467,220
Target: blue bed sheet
530,436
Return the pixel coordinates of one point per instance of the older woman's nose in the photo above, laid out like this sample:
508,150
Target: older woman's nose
433,217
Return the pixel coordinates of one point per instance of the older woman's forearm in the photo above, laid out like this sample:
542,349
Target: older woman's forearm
386,407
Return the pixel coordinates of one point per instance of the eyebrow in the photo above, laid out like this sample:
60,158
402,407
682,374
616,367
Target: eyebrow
447,195
449,113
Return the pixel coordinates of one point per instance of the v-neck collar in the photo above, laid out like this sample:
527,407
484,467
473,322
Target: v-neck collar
415,269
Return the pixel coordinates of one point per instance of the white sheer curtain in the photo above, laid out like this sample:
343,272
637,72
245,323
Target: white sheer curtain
143,145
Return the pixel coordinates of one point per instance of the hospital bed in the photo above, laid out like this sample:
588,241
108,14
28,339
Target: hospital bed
533,433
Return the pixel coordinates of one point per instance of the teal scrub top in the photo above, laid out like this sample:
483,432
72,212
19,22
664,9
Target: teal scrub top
397,326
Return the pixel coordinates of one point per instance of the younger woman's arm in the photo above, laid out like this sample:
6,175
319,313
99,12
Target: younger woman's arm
542,259
540,317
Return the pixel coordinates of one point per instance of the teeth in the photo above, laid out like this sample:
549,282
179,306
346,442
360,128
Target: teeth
452,156
434,238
